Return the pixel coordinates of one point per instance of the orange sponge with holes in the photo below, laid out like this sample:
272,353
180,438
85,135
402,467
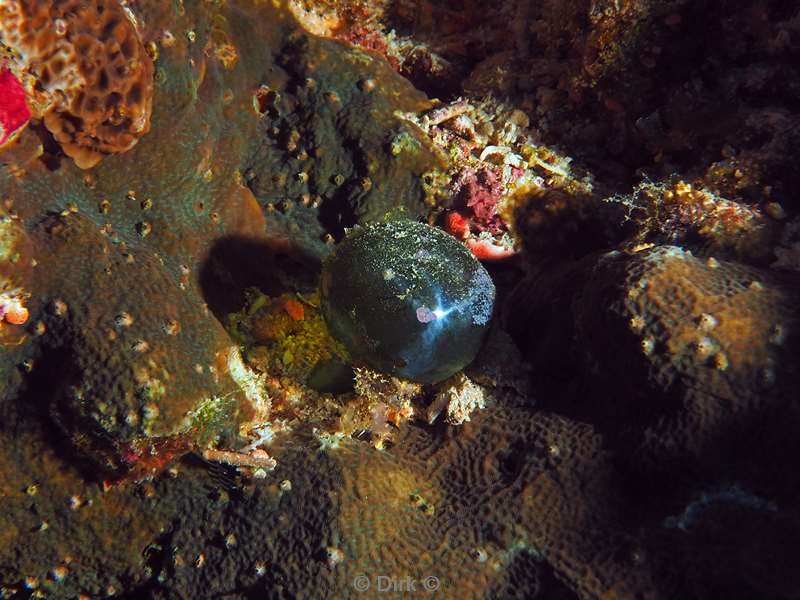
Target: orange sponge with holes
93,78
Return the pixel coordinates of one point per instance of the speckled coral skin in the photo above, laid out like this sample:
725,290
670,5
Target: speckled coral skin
144,232
689,356
488,487
125,264
538,496
122,380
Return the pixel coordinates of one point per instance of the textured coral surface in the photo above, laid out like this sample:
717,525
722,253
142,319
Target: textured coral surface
177,422
94,78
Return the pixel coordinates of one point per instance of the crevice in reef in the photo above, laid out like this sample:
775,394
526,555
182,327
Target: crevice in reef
37,413
235,264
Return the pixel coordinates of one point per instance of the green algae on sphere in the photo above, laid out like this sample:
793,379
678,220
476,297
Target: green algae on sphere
407,299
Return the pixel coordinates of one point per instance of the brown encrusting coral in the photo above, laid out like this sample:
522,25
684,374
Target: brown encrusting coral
175,417
711,337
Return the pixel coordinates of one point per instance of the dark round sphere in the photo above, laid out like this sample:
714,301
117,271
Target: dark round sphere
407,299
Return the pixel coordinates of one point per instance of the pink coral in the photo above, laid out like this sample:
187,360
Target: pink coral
14,112
477,192
480,190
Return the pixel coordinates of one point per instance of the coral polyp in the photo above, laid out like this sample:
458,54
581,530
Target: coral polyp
407,299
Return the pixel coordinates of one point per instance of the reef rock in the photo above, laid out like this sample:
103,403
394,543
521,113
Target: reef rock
126,263
686,353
